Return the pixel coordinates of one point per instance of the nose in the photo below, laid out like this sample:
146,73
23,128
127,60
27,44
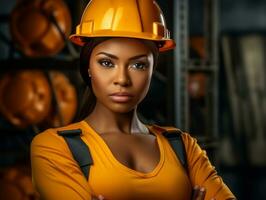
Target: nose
122,77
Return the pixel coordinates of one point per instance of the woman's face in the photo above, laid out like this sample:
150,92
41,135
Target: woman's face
120,70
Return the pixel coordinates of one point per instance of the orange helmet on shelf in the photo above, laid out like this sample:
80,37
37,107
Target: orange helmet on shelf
66,96
25,97
197,85
141,19
33,29
16,183
197,43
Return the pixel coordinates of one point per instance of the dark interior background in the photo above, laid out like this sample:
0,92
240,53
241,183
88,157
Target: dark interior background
236,18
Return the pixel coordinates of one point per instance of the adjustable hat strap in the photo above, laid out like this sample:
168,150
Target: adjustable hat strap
79,149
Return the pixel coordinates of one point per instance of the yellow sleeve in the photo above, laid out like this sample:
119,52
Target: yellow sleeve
55,173
202,173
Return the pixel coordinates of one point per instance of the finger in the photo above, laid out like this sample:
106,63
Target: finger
201,194
100,197
195,192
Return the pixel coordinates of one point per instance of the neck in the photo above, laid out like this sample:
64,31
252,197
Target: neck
103,120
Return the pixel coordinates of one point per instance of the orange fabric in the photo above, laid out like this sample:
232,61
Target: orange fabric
56,175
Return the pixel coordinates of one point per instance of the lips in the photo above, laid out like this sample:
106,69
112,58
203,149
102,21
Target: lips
121,97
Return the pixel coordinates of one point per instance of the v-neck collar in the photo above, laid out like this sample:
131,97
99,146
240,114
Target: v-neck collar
116,162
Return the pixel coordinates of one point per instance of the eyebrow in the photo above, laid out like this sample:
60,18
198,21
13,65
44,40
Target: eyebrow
115,57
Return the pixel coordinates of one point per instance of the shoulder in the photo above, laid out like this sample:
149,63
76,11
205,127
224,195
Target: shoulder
162,130
51,138
171,131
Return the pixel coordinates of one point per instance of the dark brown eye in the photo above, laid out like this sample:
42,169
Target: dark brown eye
106,63
140,65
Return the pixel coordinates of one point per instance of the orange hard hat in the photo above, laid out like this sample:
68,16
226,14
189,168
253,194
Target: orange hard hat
66,96
33,29
141,19
25,97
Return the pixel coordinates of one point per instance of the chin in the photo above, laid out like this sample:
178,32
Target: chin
122,108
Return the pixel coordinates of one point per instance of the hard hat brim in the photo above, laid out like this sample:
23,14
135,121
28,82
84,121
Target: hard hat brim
168,44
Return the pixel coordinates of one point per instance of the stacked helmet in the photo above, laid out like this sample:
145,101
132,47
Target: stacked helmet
64,111
16,184
39,27
25,97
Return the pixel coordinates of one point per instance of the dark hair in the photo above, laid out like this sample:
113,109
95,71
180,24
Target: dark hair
89,100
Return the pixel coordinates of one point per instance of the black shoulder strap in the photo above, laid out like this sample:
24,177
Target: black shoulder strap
79,149
176,142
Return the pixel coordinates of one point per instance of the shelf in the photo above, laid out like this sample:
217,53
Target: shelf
207,69
39,63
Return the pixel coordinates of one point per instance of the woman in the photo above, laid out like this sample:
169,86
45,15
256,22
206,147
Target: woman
121,41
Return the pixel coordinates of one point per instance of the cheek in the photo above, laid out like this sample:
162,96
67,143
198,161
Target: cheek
142,83
100,79
98,83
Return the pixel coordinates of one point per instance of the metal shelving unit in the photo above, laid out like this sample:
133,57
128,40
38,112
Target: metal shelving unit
15,144
180,63
184,65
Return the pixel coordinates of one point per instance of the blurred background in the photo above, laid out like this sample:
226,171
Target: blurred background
213,85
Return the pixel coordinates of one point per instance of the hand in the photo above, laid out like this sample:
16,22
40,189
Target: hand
199,193
100,197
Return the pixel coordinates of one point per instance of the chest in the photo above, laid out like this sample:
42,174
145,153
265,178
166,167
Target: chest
138,152
142,168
